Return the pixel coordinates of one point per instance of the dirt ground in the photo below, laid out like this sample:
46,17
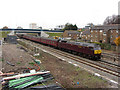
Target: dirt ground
15,59
64,73
70,76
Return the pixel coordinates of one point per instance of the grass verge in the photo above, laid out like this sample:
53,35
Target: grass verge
55,34
4,34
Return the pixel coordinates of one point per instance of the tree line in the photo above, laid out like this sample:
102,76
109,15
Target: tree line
69,26
114,19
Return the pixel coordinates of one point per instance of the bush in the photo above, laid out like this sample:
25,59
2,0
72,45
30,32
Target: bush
113,48
106,46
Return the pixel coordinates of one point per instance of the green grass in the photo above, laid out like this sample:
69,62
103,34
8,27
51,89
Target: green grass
32,34
3,34
55,34
18,63
1,60
31,63
86,79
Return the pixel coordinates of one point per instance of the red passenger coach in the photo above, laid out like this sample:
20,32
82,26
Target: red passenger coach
43,40
76,47
88,50
32,38
51,42
70,46
36,39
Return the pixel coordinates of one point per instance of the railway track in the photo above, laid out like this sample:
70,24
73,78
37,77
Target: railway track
110,55
109,64
108,68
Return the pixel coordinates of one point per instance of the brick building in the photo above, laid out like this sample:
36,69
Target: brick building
71,34
85,35
104,33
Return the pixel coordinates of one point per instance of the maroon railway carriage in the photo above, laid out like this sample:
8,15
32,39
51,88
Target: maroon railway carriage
90,50
51,42
84,49
47,41
32,38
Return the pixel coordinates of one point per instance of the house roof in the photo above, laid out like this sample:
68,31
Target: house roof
86,32
106,27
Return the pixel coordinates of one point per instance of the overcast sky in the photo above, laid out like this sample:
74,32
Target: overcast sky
50,13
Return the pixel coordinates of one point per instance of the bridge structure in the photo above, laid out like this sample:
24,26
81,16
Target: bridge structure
32,30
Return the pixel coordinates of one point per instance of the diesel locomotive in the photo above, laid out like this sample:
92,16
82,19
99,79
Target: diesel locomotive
87,50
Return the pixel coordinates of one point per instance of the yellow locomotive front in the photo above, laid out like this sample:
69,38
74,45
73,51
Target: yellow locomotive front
97,51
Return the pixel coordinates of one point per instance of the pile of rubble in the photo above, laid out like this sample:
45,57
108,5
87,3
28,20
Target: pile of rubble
27,81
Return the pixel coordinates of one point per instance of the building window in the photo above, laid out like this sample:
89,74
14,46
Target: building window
95,35
69,34
104,33
91,40
91,35
101,30
111,31
116,36
111,36
104,40
88,35
116,31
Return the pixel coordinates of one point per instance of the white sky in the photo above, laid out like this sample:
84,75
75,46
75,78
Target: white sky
50,13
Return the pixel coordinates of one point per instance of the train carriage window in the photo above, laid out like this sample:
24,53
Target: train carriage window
91,48
63,41
97,47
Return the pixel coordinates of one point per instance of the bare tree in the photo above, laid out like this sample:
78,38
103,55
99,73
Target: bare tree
5,27
114,19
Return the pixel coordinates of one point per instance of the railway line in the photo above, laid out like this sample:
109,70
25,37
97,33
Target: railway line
99,65
111,55
109,64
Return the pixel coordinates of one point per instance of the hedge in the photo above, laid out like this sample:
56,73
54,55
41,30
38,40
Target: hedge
106,46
